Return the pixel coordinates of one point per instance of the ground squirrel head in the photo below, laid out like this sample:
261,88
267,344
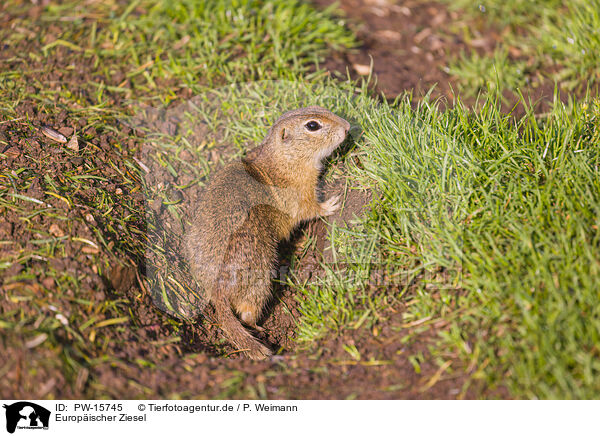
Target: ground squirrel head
303,137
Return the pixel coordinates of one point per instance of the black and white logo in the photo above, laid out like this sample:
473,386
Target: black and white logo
26,415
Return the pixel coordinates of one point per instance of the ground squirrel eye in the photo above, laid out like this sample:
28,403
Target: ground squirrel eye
313,126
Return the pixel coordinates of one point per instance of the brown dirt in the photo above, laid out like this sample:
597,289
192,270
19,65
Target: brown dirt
180,359
410,44
407,42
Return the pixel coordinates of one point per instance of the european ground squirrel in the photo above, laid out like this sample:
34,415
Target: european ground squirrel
251,205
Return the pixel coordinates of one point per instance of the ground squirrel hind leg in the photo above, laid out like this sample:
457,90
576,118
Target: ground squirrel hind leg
250,307
249,316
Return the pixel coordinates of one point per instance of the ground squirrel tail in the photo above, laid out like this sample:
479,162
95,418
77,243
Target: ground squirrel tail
235,331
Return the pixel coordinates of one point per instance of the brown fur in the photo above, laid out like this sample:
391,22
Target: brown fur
248,207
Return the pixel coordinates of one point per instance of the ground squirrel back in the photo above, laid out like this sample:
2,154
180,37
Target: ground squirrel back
251,205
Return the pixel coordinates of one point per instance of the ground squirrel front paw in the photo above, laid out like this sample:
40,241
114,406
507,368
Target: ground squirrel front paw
329,207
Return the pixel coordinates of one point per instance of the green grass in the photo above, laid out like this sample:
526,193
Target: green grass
549,40
157,48
476,73
201,43
495,225
511,13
